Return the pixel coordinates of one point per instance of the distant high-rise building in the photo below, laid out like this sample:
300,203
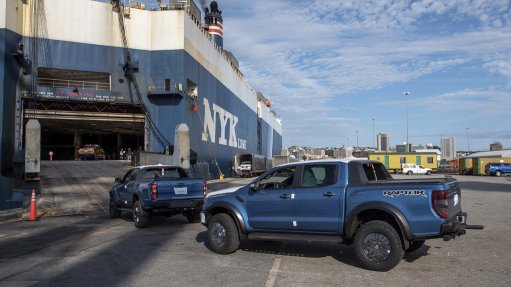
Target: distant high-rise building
495,146
382,141
448,148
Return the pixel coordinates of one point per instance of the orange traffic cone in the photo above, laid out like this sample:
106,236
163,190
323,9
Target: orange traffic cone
33,208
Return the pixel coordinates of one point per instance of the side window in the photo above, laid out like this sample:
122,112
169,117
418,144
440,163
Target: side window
402,160
430,159
281,178
128,175
133,175
318,176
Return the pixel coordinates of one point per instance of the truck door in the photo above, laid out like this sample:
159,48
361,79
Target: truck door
318,205
271,206
122,189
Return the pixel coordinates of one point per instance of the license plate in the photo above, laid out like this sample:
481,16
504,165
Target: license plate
180,190
202,218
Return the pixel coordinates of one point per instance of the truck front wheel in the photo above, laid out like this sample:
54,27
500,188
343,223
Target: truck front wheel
223,237
114,213
378,246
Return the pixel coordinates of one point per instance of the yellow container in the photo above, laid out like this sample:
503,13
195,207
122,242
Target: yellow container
393,161
479,163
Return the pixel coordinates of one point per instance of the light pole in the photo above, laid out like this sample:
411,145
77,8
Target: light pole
468,142
357,137
373,134
406,94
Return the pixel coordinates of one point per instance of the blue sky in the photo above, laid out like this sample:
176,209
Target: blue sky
330,67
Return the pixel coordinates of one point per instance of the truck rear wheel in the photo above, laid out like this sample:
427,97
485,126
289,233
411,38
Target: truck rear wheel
140,216
223,237
193,216
378,246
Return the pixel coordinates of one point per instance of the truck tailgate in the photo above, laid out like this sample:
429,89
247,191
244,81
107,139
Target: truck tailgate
454,198
179,189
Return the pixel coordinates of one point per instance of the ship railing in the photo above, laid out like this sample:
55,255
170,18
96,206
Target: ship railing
73,84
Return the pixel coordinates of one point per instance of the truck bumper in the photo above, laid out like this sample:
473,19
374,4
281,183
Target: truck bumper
176,205
454,227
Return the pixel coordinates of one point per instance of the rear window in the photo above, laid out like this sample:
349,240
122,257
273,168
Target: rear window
163,173
375,172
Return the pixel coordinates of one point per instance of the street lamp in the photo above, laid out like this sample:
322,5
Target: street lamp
406,94
357,137
468,142
373,134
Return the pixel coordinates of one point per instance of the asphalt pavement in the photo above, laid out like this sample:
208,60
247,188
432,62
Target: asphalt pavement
91,249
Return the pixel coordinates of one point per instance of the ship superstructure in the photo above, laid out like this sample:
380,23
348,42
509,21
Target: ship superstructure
65,64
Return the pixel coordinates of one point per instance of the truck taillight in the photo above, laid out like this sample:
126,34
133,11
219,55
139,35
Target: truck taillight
204,187
153,187
441,203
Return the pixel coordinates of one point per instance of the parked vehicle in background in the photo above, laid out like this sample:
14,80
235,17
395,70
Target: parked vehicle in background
410,169
445,168
341,201
91,151
497,169
250,164
157,189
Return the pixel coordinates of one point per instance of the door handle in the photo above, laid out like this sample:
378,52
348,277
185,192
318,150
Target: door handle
285,196
328,194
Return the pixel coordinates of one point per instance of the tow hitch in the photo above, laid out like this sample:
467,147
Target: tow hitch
462,231
474,227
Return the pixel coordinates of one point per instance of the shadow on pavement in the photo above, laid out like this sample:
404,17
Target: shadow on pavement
86,252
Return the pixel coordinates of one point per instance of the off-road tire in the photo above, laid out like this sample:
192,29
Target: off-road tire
112,209
193,216
223,237
140,216
378,246
415,245
409,172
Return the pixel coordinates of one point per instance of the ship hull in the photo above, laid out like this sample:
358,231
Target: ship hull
183,77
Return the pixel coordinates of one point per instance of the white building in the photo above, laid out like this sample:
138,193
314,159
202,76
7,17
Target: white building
448,148
382,141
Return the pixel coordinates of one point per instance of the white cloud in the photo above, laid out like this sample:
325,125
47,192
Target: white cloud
305,55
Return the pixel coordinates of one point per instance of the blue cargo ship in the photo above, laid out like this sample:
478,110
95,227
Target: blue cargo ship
123,75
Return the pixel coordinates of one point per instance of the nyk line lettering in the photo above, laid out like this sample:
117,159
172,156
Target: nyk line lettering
209,130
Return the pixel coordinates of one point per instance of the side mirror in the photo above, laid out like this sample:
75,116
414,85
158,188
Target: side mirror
117,180
255,186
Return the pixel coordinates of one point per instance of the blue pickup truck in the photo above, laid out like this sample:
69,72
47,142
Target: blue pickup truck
353,202
157,189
